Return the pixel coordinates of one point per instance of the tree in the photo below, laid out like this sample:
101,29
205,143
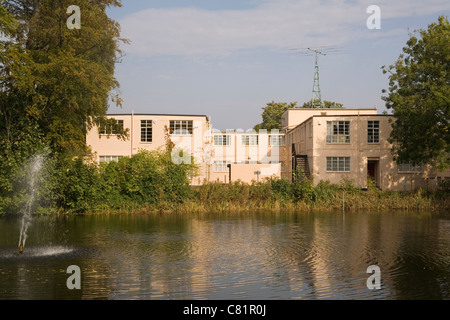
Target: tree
419,97
64,77
272,115
326,104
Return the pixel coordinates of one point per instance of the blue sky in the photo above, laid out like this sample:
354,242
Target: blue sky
228,58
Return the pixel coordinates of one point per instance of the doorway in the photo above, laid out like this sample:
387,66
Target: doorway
372,172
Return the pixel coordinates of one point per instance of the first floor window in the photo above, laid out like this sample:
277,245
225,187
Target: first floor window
373,131
146,131
221,166
250,140
222,140
181,127
409,167
108,159
338,164
111,127
275,140
338,132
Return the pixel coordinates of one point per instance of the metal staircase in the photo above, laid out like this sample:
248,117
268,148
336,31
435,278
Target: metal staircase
300,164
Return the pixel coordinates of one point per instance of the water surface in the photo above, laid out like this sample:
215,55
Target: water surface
228,256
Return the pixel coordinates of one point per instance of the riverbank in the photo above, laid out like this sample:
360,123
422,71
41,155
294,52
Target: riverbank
279,195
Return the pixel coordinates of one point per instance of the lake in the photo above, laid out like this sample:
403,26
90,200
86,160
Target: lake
251,256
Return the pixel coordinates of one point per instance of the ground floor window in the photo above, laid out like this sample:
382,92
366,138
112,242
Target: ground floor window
108,159
221,166
338,164
409,167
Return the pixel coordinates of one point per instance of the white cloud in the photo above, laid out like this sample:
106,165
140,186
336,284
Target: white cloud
274,24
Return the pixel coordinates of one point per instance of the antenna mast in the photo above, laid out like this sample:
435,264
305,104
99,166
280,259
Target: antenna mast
316,100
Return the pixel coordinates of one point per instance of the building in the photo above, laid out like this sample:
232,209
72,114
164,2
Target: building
350,144
221,156
325,144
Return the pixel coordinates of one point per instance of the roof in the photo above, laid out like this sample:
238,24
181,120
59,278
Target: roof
157,114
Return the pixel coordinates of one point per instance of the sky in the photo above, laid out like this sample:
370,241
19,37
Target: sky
228,58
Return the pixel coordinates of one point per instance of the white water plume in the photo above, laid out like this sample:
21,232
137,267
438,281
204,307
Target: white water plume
34,169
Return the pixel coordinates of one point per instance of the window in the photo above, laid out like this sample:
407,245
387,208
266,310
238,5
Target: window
310,128
108,159
222,140
146,131
181,127
276,140
338,132
221,166
338,164
250,140
110,128
409,167
373,131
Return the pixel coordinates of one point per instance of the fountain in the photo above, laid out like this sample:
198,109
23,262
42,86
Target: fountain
35,167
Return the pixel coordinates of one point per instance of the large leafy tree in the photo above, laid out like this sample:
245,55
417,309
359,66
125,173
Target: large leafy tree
326,104
62,78
273,111
419,97
55,82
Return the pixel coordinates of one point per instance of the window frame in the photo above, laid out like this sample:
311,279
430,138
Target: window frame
225,140
279,138
373,133
343,164
334,129
245,140
223,164
108,131
411,167
181,127
146,129
111,158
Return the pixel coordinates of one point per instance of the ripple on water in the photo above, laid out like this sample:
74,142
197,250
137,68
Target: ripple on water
36,252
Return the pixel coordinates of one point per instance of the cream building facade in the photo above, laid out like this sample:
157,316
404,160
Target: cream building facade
350,144
221,156
325,144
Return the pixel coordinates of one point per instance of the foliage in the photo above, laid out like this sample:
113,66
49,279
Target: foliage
419,97
63,77
274,110
326,104
272,115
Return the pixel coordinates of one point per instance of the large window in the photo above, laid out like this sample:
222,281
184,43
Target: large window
373,131
409,167
110,128
221,166
146,131
108,159
338,132
338,164
249,140
181,127
275,140
222,140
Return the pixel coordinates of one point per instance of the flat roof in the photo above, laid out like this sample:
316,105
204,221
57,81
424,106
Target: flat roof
157,114
331,108
341,115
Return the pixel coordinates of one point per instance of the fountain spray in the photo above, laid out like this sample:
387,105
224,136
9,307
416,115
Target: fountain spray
36,165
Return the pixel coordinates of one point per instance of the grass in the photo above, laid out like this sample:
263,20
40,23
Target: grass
278,195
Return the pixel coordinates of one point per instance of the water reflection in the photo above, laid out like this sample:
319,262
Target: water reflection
229,256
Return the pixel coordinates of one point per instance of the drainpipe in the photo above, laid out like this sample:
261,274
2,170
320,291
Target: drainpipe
131,132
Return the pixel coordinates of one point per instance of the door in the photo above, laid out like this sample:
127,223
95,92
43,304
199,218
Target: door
372,171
